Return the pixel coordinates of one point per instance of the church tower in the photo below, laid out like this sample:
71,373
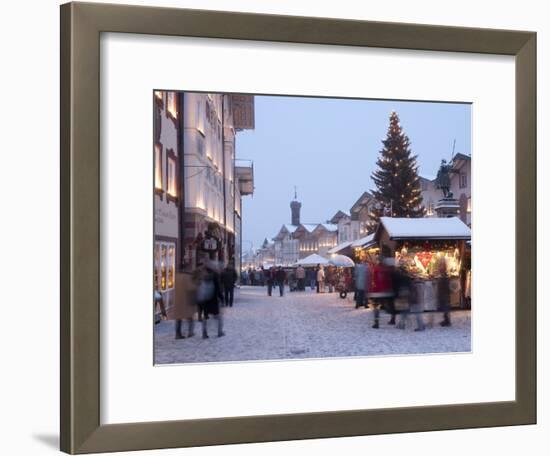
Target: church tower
295,207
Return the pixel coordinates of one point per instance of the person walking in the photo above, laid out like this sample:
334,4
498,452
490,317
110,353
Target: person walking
321,280
300,277
229,279
416,304
360,278
209,295
184,307
444,293
270,279
280,277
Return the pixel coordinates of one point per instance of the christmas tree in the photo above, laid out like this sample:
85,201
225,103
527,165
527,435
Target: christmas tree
397,183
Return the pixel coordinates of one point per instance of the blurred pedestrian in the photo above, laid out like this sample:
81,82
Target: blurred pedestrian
209,295
444,293
229,279
416,303
360,278
320,279
280,277
300,277
270,278
184,304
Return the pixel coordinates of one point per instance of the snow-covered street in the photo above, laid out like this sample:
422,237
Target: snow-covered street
305,325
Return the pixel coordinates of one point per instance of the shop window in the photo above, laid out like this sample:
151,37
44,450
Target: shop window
171,175
171,265
171,104
163,259
158,169
463,181
156,271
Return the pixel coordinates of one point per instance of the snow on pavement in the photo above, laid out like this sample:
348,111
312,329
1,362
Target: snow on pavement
305,325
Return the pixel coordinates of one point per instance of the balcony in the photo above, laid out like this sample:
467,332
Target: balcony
244,172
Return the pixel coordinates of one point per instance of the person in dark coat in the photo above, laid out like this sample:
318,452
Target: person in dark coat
209,295
280,277
229,279
270,279
444,294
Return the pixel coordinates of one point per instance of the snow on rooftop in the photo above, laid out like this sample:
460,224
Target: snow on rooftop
329,226
310,226
426,228
363,241
340,247
291,228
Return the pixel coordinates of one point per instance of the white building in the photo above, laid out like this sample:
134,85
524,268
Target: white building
214,181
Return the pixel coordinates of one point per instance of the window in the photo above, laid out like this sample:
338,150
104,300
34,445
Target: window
199,117
165,265
469,205
158,168
463,182
171,104
171,174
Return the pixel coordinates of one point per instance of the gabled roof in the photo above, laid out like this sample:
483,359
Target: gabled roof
361,201
286,229
309,227
424,228
338,216
327,226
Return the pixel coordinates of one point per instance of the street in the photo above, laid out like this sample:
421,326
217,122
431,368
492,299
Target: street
305,325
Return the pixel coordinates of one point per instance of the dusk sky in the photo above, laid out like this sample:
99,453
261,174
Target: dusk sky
328,149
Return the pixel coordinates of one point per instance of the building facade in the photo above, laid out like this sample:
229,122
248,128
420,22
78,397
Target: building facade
214,184
167,192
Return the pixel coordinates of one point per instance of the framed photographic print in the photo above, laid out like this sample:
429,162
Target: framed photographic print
295,225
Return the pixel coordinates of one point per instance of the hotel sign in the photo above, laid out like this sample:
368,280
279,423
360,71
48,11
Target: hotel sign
243,111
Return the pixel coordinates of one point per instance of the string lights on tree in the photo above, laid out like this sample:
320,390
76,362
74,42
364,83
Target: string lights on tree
397,183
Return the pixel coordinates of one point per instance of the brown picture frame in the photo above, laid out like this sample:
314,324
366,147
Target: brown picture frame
81,26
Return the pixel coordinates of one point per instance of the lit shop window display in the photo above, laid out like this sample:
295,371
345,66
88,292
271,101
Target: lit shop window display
430,258
165,262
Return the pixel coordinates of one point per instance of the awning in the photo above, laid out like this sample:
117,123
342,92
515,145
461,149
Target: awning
341,261
366,241
312,260
340,247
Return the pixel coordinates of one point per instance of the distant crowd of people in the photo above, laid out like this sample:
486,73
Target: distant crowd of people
320,278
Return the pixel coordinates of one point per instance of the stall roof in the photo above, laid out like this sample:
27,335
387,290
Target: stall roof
312,260
425,228
340,247
364,241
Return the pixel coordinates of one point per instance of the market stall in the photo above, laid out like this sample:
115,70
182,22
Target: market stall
365,249
430,250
